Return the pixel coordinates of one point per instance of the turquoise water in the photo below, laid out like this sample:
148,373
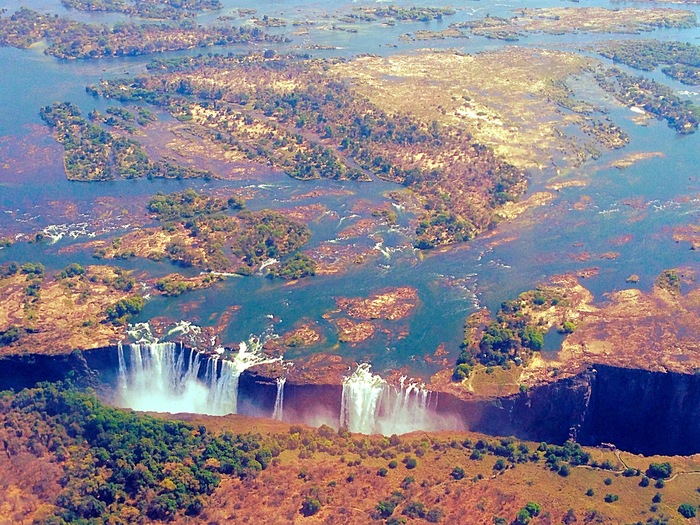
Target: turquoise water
642,203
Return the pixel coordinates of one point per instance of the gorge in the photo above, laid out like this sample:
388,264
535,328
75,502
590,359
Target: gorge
636,410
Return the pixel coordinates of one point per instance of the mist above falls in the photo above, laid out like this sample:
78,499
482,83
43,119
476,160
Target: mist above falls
165,377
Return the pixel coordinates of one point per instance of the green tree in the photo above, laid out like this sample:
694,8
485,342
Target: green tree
687,510
659,470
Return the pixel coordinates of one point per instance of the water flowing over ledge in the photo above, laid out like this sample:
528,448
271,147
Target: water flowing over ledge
370,405
640,411
166,377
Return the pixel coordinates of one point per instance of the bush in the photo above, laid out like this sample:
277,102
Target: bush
499,465
590,493
656,498
533,508
687,510
457,473
410,462
644,482
522,517
407,482
564,471
385,508
382,472
414,509
607,481
659,470
611,498
434,515
310,506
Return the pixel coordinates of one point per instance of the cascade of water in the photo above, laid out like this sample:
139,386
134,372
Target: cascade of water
156,377
223,381
405,408
362,391
278,412
159,377
369,404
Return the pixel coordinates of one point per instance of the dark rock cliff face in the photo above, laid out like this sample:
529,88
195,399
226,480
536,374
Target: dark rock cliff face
551,413
643,412
637,410
18,372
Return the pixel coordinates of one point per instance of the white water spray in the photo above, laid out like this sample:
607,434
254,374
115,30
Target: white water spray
370,405
158,377
360,400
278,412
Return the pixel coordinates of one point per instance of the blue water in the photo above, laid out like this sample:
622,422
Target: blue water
547,241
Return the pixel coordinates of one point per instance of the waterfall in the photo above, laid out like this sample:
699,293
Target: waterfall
159,377
360,399
278,412
223,385
406,408
154,377
370,405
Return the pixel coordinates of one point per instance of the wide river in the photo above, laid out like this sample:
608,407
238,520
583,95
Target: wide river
630,212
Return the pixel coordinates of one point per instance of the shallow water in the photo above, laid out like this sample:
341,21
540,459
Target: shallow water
630,212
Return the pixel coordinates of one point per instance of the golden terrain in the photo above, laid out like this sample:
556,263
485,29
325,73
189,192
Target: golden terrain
350,474
71,313
629,328
514,100
561,20
65,314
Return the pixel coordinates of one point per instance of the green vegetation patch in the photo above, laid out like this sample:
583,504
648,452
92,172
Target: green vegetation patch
71,39
121,466
681,59
94,154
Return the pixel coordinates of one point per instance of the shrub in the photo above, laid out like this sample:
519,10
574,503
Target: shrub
687,510
434,515
644,482
533,508
457,473
522,517
414,509
564,471
611,498
590,493
659,470
393,463
410,462
499,465
607,481
656,498
310,506
382,472
385,508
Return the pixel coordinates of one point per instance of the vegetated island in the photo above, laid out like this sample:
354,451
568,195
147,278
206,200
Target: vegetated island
157,9
94,154
68,457
70,39
519,101
643,331
196,232
296,115
563,20
680,60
